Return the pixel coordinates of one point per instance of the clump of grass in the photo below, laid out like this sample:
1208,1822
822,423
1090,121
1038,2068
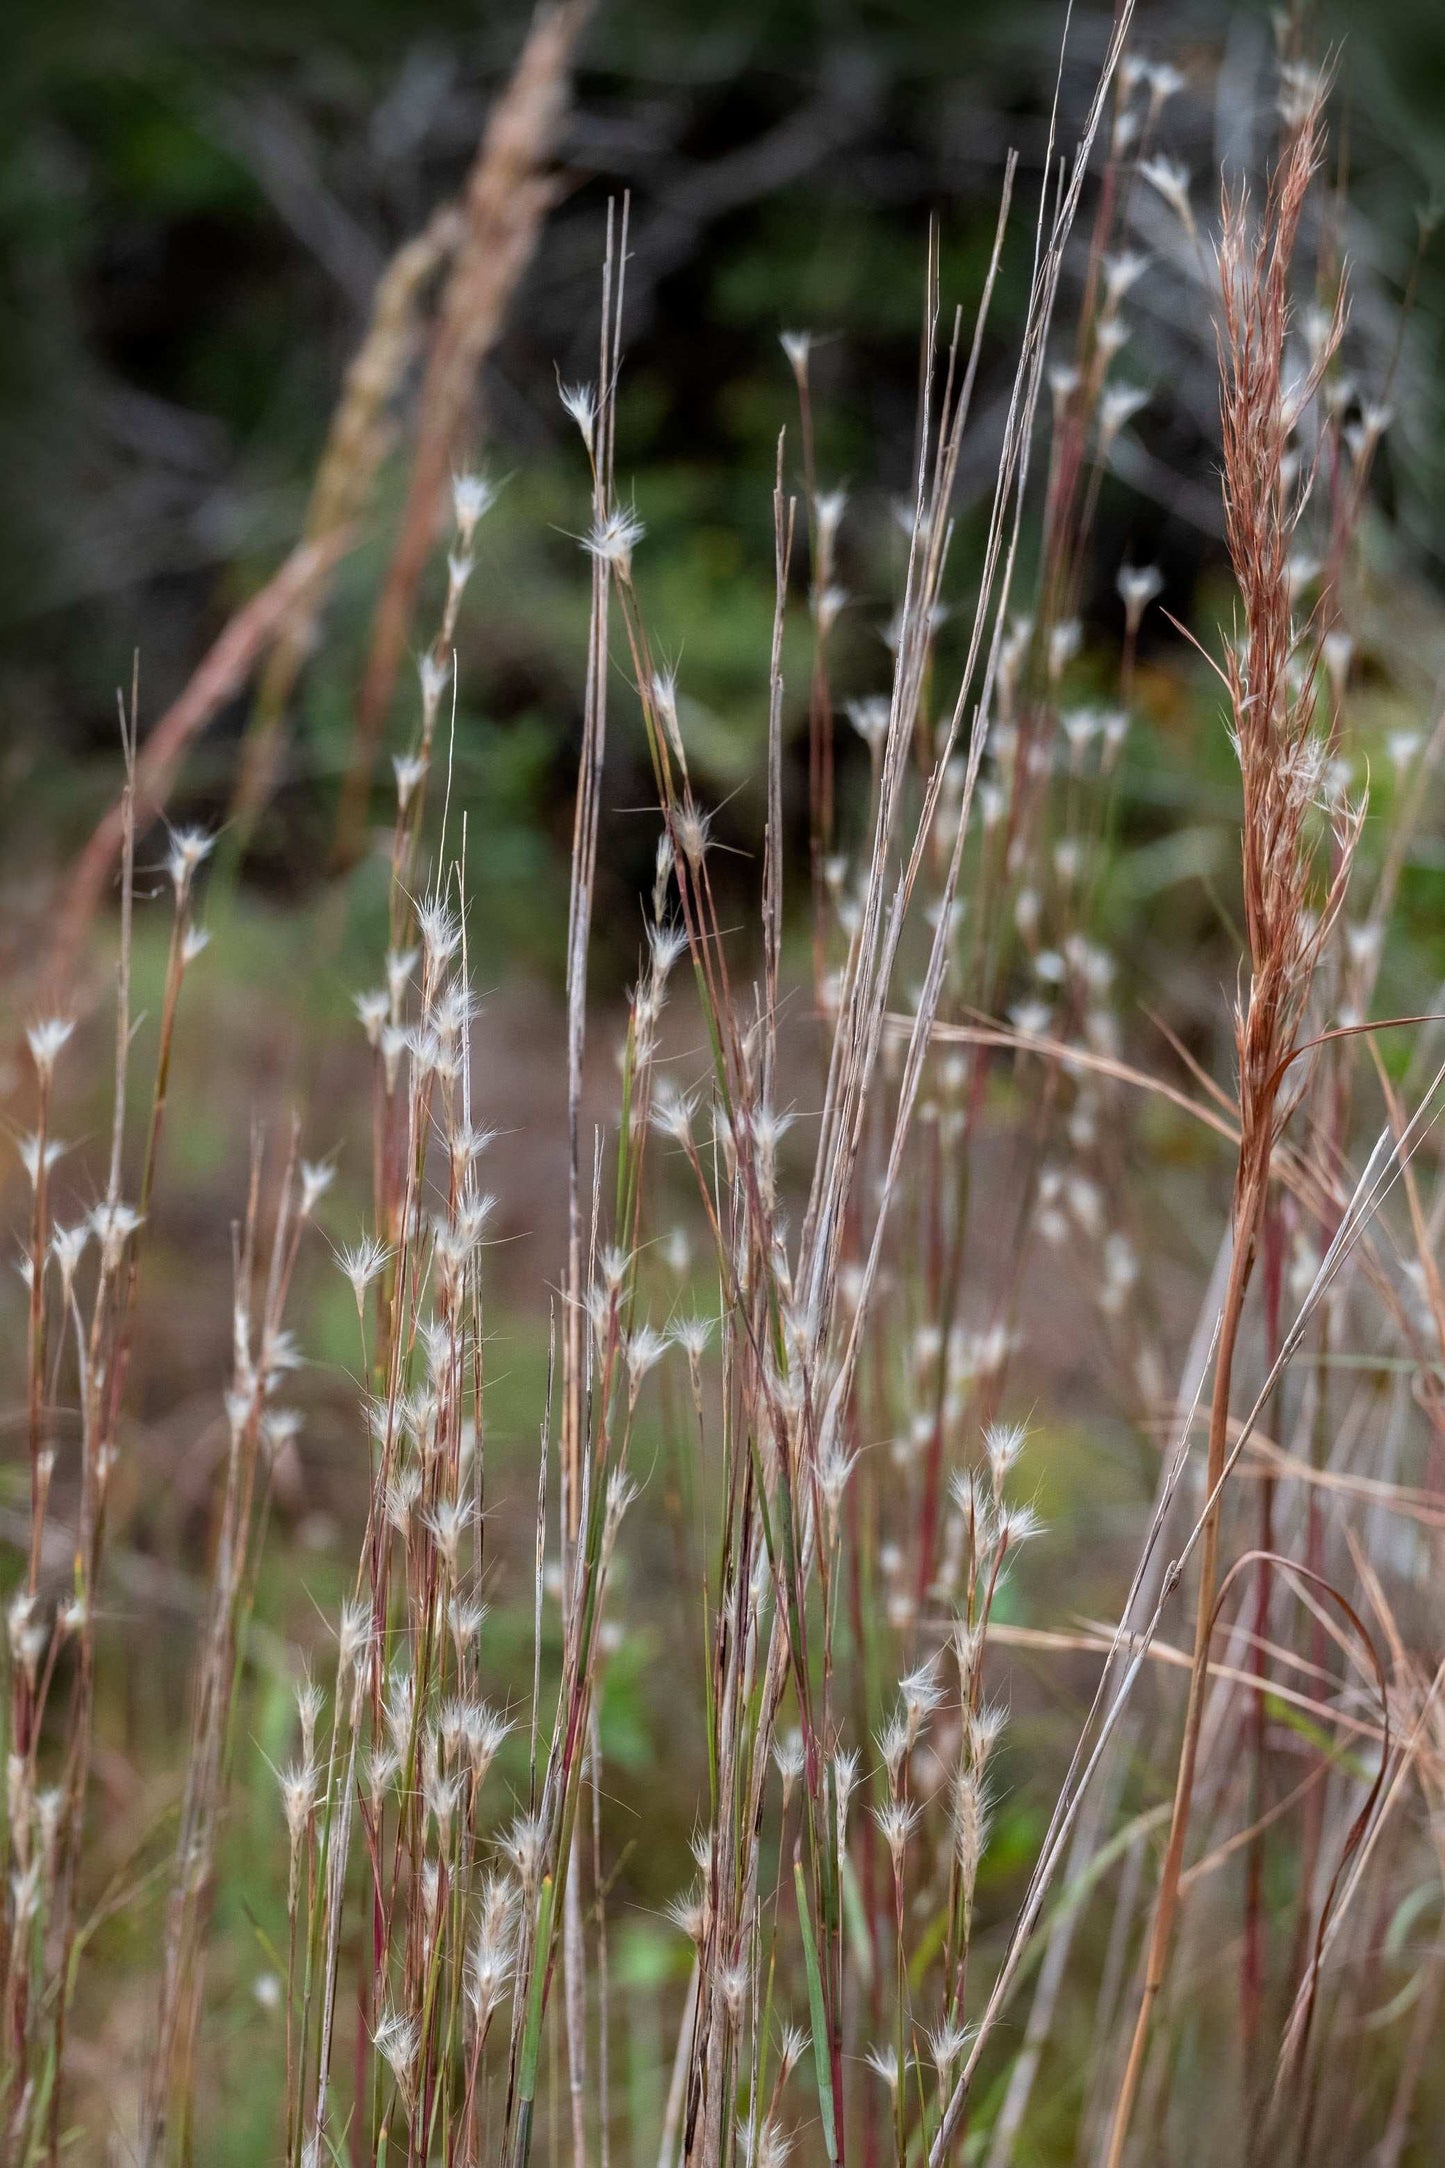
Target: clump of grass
853,1466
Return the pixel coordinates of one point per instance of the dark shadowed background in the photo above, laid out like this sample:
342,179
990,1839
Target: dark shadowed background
197,200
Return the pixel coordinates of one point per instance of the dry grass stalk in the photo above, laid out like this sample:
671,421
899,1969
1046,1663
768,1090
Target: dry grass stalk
360,434
52,1705
257,1429
506,198
1281,764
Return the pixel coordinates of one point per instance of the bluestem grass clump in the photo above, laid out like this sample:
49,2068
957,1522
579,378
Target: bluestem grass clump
854,1474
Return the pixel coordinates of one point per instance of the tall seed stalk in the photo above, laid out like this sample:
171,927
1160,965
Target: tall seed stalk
1272,673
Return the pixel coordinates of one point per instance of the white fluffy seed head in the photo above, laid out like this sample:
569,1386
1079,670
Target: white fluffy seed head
983,1728
472,498
613,539
970,1824
37,1158
733,1983
830,507
45,1038
945,2044
373,1009
897,1819
188,847
1018,1525
693,829
1170,180
447,1524
400,1499
1121,272
770,2149
316,1178
309,1703
410,770
643,1349
525,1846
1003,1443
845,1777
893,1745
788,1759
67,1246
672,1111
665,945
1117,408
298,1799
113,1225
689,1914
440,930
870,719
397,2040
482,1737
1138,586
580,401
361,1263
353,1632
489,1968
797,345
883,2062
